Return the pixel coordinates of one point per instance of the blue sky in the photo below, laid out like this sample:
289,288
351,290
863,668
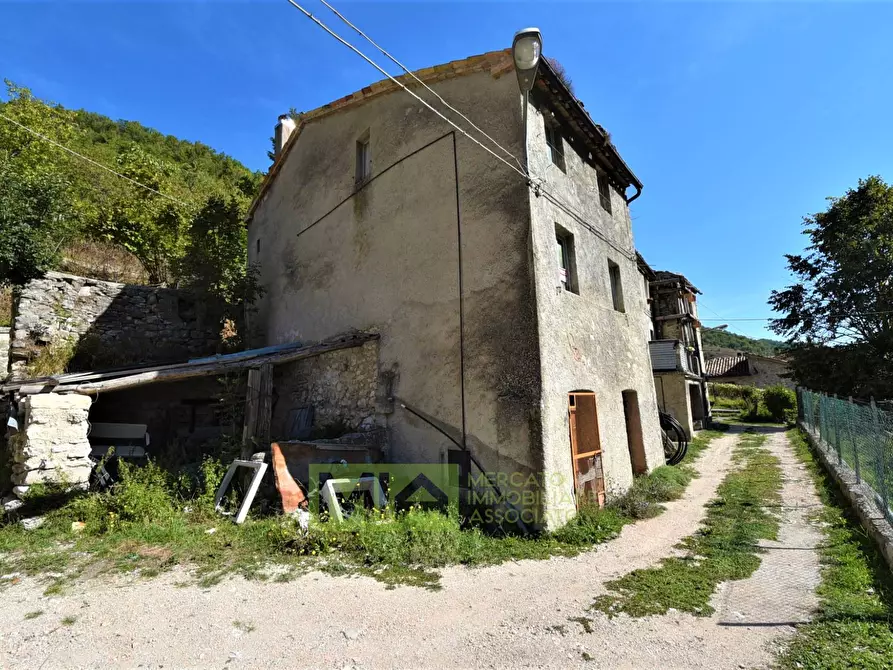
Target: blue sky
739,118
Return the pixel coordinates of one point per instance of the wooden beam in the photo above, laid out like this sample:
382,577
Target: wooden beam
252,403
215,368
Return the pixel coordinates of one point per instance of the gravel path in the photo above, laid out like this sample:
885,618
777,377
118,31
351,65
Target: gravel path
515,614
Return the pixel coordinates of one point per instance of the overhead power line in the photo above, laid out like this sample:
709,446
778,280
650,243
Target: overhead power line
779,318
91,161
428,88
539,187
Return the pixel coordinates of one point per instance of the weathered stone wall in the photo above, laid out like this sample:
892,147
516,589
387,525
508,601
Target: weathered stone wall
4,353
109,323
585,343
52,445
342,386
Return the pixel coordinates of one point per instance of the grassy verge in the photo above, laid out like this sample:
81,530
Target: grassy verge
854,625
723,549
149,524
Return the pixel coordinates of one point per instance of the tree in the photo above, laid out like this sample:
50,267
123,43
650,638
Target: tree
215,259
840,310
33,226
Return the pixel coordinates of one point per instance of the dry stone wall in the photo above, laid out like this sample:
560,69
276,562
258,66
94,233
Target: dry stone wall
52,445
106,324
341,386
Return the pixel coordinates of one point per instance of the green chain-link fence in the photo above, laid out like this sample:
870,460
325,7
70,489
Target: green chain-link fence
857,434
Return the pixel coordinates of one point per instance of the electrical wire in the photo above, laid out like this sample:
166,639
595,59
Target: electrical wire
539,188
779,318
91,161
428,88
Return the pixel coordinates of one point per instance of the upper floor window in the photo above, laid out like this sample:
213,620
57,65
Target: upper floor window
604,192
364,158
554,142
616,286
567,262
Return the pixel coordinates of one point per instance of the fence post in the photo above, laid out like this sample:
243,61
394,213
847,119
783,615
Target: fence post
849,425
882,479
836,424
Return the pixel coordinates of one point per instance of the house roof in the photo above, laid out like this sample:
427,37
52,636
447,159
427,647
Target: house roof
497,63
728,366
644,268
665,276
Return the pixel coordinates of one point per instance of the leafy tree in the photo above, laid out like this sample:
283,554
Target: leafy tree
33,225
106,207
215,259
839,315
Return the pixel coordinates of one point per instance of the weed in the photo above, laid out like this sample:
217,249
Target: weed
586,622
33,615
69,620
150,521
854,625
244,626
52,359
724,549
587,656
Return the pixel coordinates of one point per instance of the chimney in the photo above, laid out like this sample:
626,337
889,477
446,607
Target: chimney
284,129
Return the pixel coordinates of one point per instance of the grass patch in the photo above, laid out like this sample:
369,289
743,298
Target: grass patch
244,626
724,549
69,620
33,615
854,625
150,522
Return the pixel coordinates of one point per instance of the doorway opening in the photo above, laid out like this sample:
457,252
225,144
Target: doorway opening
634,438
586,450
697,406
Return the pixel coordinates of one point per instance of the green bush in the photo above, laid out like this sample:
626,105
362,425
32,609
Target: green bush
778,401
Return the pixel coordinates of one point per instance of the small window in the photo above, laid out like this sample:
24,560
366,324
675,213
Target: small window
364,159
616,286
567,262
258,245
554,142
604,192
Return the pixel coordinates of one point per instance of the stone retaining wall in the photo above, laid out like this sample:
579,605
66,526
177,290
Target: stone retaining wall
107,324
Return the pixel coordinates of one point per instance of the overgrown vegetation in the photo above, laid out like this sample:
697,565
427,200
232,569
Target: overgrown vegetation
52,359
151,521
55,208
854,625
724,549
710,337
774,404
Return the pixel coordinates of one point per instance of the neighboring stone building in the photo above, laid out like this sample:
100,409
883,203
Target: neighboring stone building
105,324
749,370
676,352
515,324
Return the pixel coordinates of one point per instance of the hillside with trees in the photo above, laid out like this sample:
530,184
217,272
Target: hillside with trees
174,216
710,337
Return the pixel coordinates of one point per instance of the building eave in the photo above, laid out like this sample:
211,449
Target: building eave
597,141
496,63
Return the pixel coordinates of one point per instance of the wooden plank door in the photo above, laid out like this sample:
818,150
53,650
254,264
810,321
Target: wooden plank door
586,451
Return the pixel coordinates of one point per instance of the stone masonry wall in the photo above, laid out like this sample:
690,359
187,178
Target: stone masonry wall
52,444
109,324
340,385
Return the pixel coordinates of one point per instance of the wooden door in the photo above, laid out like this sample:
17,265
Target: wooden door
586,451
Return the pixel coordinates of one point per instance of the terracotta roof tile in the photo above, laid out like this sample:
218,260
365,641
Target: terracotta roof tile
728,366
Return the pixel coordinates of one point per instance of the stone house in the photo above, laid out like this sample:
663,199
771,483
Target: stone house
677,355
749,370
511,313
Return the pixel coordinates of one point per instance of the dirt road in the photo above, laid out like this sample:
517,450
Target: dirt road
511,615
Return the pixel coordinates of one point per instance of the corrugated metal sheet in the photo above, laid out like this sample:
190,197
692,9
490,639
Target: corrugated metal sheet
665,355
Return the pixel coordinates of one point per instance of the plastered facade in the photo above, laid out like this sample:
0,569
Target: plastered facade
387,258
